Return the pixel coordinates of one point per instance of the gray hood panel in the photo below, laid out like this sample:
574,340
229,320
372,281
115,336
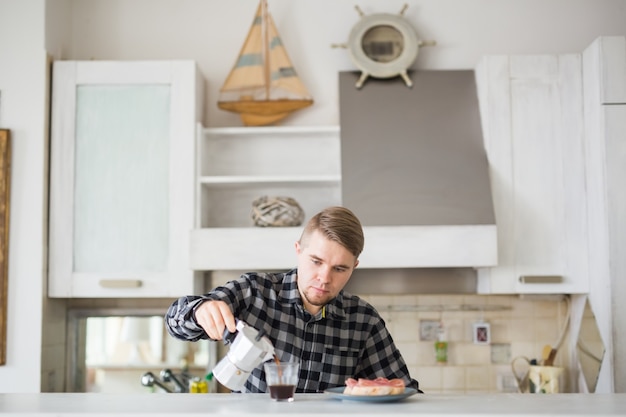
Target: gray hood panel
415,157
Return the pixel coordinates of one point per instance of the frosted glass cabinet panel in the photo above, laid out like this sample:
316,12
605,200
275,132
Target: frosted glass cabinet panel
122,178
121,206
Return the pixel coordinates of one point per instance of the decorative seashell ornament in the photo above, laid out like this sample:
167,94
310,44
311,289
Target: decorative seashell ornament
277,212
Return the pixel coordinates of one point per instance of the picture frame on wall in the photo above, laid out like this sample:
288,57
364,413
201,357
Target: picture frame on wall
482,333
5,193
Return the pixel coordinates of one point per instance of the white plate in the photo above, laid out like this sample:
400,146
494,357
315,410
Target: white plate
337,393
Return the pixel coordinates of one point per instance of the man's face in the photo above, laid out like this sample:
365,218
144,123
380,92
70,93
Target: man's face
324,268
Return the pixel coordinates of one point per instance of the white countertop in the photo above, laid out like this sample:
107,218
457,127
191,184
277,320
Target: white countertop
189,405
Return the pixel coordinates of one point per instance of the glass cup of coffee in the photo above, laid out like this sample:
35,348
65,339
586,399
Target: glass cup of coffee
282,379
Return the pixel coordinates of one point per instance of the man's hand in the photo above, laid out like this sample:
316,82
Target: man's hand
214,317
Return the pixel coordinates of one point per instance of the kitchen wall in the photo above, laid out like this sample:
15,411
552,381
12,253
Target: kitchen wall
23,98
211,32
518,327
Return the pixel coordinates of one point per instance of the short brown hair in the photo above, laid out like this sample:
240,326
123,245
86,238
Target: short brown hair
339,225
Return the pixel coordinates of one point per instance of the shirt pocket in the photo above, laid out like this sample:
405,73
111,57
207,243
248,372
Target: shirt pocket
338,365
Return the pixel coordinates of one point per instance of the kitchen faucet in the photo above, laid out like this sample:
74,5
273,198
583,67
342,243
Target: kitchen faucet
168,378
149,380
181,386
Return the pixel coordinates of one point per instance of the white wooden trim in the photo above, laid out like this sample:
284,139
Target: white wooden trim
385,247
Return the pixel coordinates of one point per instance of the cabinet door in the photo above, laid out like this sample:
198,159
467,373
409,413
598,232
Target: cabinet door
122,178
534,133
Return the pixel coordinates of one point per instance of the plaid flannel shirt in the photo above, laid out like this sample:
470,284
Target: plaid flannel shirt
346,339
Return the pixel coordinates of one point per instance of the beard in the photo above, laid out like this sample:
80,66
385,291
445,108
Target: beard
315,300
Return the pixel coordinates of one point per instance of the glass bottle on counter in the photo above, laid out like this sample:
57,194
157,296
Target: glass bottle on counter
441,346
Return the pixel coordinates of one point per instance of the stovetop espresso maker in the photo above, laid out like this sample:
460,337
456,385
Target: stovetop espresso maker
248,349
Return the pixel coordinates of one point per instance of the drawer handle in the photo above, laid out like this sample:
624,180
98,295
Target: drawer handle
541,279
120,283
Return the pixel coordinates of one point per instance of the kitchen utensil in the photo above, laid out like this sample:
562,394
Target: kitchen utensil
248,349
550,360
521,372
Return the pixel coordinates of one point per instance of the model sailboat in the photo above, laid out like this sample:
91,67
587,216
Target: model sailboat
263,86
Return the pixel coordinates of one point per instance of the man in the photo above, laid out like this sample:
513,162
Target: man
304,312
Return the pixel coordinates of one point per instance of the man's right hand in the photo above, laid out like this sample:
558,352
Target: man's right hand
214,317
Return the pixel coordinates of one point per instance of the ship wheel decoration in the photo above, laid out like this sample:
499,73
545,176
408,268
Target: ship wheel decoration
383,45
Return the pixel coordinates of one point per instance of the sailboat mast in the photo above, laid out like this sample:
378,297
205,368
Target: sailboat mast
265,47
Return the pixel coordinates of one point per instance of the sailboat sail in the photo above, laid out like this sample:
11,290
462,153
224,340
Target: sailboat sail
263,87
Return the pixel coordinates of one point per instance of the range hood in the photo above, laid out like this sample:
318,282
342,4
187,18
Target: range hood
415,171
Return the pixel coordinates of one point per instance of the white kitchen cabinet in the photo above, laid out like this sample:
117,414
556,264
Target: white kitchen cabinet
531,110
122,178
604,70
237,165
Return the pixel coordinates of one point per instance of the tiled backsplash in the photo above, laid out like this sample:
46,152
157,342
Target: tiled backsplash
518,327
